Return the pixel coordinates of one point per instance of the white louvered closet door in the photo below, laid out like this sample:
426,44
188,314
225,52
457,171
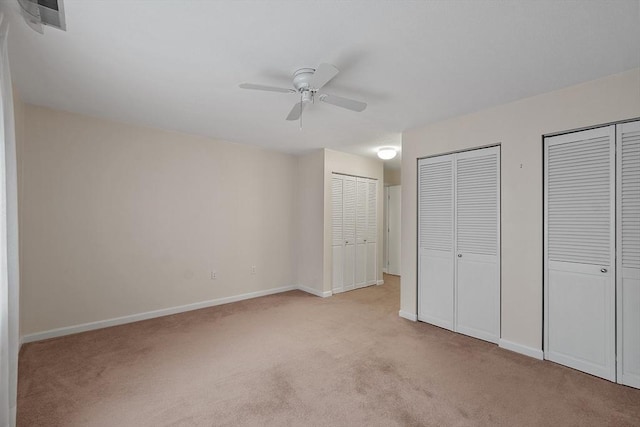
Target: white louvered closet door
361,232
579,251
354,232
349,231
337,237
477,214
372,232
436,240
628,246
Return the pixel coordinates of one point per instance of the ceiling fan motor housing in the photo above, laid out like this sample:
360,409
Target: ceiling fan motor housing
302,79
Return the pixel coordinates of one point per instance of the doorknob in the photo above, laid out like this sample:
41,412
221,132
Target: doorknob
603,270
459,255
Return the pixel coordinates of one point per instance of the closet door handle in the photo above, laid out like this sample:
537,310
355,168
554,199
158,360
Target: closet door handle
603,270
459,255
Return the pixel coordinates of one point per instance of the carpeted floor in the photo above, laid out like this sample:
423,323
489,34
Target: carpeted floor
296,359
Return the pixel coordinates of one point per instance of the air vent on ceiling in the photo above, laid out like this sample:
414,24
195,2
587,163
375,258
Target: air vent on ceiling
43,12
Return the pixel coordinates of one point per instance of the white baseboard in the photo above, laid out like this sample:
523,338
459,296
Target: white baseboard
380,282
384,270
408,316
68,330
315,291
536,353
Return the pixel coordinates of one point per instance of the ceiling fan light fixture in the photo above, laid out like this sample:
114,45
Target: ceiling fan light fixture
387,153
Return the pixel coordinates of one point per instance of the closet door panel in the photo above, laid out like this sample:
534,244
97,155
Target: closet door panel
578,302
579,245
478,297
372,232
349,231
337,246
337,279
436,290
361,233
628,259
478,243
435,240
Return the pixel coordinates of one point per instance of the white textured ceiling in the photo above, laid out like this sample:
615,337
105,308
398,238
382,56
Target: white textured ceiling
176,64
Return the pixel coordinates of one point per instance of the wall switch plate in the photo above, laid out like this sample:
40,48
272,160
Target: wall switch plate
253,269
214,275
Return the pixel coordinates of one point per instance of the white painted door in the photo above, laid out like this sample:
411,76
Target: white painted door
354,232
371,240
579,251
393,230
361,233
459,242
628,257
337,236
436,240
477,237
349,231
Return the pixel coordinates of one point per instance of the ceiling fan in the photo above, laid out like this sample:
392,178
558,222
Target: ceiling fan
307,82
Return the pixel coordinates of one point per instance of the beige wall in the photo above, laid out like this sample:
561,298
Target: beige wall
310,220
518,127
349,164
119,219
392,176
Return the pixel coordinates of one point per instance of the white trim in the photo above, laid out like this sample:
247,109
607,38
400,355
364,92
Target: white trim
536,353
384,270
322,294
380,282
68,330
409,316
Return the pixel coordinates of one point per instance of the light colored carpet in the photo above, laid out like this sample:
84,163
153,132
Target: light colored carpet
296,359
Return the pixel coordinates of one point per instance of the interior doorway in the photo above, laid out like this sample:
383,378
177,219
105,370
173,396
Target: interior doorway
393,229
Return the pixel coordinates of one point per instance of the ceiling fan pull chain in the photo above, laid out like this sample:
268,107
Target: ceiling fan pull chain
300,111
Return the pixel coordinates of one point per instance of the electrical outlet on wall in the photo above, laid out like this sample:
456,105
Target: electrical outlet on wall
214,275
253,269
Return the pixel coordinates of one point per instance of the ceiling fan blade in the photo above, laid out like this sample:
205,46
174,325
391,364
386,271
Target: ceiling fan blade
338,101
296,111
267,88
323,74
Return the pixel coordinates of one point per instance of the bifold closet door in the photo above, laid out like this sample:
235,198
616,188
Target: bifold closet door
371,275
361,232
477,226
354,232
436,240
579,251
366,232
343,217
628,259
349,231
337,234
459,242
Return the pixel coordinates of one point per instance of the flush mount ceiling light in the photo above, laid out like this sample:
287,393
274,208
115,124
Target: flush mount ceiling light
387,153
